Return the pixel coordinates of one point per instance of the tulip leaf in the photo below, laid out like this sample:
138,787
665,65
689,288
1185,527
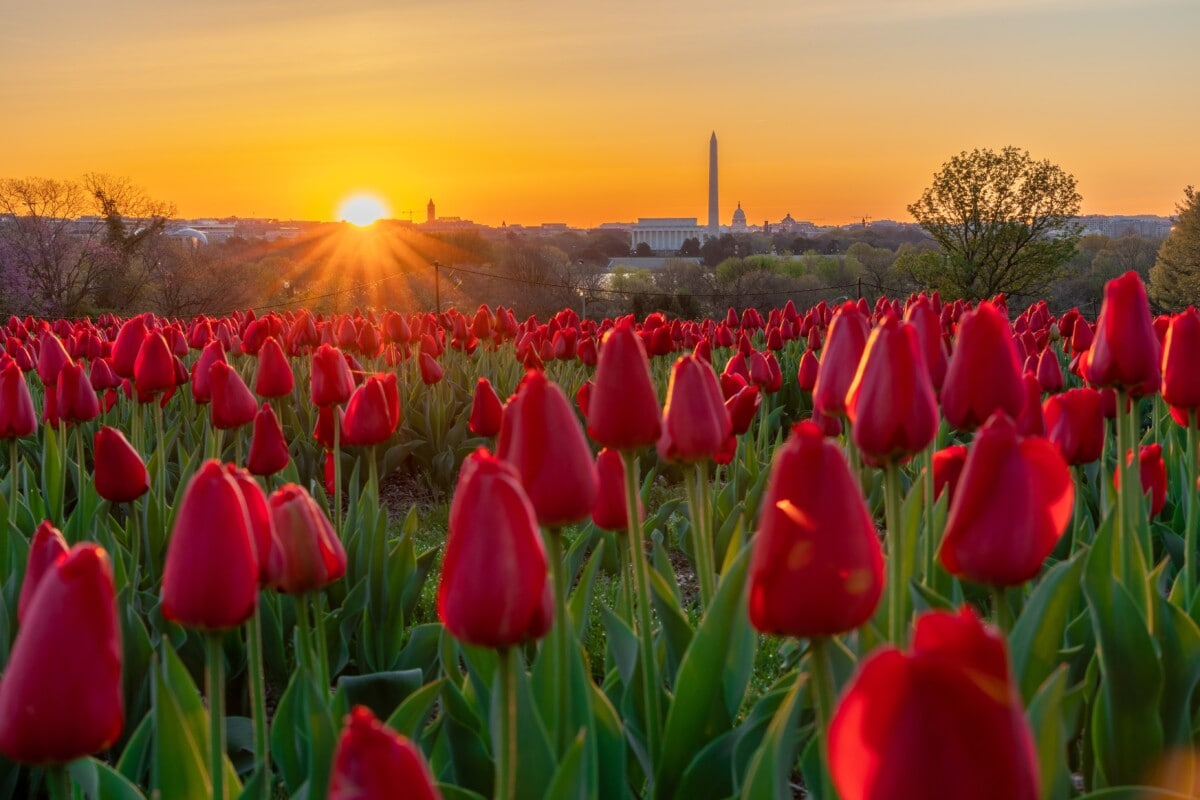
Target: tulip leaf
580,603
382,692
1052,726
677,632
52,473
99,781
699,713
179,765
195,714
610,745
771,766
135,759
1127,734
1035,640
622,643
1136,793
570,779
1179,638
449,791
288,737
409,716
322,735
535,757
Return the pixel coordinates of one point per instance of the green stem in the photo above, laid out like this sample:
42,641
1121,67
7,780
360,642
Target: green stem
337,474
62,484
560,636
1124,514
322,666
304,658
161,448
637,554
258,699
14,472
1193,507
237,447
824,696
706,513
1077,511
135,547
80,472
897,580
506,750
58,782
216,714
928,548
626,587
1001,613
373,474
701,543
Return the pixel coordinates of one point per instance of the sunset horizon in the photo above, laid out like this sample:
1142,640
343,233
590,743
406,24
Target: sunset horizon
830,112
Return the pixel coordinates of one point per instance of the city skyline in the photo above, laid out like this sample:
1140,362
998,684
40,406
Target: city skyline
830,112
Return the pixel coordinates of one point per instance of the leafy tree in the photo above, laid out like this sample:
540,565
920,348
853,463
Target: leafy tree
643,250
1175,276
1005,221
690,248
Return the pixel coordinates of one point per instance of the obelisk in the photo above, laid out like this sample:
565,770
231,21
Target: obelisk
714,217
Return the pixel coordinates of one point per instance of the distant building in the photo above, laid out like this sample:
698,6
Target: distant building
664,234
430,212
739,220
1145,225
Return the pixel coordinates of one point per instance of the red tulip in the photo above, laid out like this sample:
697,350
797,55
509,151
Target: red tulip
623,411
929,333
77,401
984,375
806,374
274,376
332,382
742,408
268,447
1049,372
1030,423
890,403
210,581
1012,504
262,530
817,566
102,376
368,420
542,439
213,352
60,695
431,370
1181,354
942,721
1125,352
486,410
154,370
611,511
17,417
232,403
120,473
695,422
306,553
47,549
947,469
1153,474
127,346
373,762
1075,424
52,357
493,590
839,360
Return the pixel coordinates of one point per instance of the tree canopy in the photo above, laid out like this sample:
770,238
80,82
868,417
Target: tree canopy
1175,276
1005,222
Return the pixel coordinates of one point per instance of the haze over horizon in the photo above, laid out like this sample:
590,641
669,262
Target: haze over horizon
829,110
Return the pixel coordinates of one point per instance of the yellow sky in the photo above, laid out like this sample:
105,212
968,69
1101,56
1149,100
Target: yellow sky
535,111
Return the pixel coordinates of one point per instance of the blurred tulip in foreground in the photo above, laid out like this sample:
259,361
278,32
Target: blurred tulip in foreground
373,762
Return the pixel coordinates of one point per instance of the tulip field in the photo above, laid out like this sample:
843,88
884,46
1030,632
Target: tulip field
909,549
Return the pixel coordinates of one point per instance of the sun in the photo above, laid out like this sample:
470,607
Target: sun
361,209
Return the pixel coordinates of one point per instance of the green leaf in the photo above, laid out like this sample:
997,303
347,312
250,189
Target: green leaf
99,781
622,643
470,761
1126,734
610,745
136,757
677,631
570,780
382,692
1036,638
289,738
1179,638
1052,731
698,713
179,768
772,765
535,757
407,718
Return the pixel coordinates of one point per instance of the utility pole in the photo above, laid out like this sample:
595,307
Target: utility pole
437,286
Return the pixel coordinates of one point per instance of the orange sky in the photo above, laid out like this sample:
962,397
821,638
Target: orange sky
538,111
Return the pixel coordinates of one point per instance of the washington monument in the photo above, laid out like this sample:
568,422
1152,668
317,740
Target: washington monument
714,217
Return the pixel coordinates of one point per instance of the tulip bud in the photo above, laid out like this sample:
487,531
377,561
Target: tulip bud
210,581
839,360
1075,425
373,762
891,734
331,379
695,422
623,412
17,416
232,403
268,448
306,553
486,410
984,375
493,590
274,376
47,549
1125,353
61,695
817,566
120,473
